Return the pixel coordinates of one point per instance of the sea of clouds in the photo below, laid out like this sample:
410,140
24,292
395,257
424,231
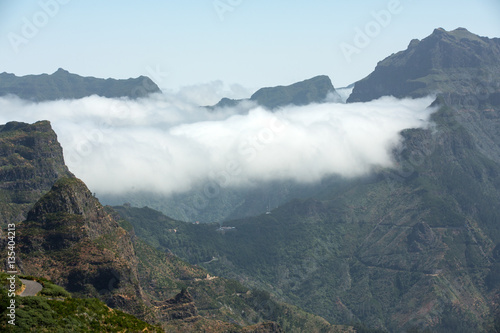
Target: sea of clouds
167,144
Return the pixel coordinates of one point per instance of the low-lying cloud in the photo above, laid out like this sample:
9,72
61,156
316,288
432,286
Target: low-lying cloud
167,145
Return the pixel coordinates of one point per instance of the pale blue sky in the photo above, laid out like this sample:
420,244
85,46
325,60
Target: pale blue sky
254,43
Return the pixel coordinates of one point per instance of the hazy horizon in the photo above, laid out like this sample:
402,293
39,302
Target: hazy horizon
250,44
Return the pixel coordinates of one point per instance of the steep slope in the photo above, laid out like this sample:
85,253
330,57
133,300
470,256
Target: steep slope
64,85
415,246
315,90
31,160
457,63
403,249
219,303
70,239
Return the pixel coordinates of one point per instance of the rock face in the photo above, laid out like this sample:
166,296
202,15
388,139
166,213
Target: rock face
31,160
70,239
455,62
318,89
180,307
64,85
459,66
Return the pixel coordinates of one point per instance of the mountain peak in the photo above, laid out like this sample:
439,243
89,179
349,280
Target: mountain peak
314,90
60,71
457,35
71,196
31,161
444,62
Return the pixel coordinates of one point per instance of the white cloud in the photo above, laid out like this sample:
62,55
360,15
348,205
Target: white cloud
166,144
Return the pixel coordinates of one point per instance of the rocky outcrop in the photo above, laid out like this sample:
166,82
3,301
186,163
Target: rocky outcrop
70,239
180,307
31,160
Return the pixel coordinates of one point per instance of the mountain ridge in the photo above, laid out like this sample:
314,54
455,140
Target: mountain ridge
446,62
64,85
318,89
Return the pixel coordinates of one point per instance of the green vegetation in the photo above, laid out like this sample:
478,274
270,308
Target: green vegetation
220,299
38,314
49,288
55,311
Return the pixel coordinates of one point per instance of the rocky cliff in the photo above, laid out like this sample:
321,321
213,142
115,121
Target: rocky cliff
70,239
31,160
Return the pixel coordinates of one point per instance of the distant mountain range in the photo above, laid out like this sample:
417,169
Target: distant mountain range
64,85
414,248
318,89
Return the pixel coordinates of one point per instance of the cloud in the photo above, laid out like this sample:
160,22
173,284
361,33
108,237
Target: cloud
166,144
212,92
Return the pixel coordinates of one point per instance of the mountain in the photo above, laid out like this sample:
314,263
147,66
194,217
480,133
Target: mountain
460,66
72,240
315,90
31,160
457,63
414,247
64,85
401,250
69,238
409,248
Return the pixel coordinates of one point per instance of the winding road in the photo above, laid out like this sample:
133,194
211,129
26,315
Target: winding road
32,288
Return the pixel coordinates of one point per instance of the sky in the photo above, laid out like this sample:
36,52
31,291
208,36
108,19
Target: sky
237,45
